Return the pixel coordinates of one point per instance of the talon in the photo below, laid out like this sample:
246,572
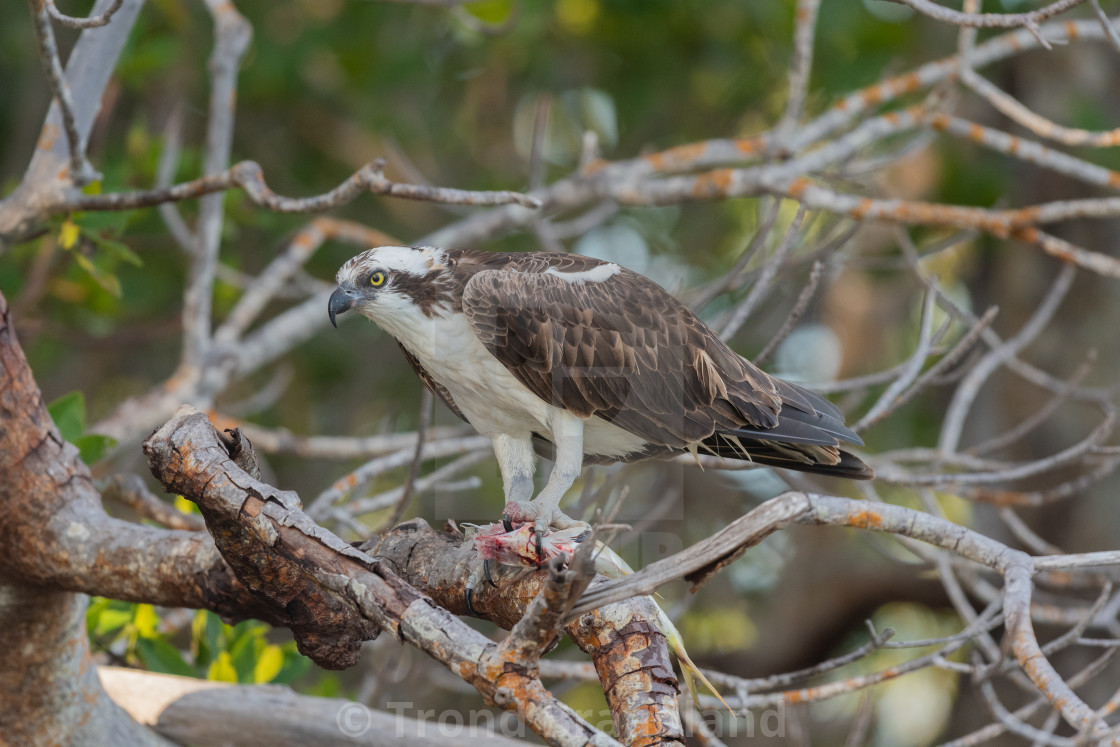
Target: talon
486,573
507,523
540,547
467,598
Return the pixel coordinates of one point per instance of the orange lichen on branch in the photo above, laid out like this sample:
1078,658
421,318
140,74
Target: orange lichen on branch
712,183
939,122
594,167
860,211
48,136
905,83
749,145
677,158
797,187
865,519
873,95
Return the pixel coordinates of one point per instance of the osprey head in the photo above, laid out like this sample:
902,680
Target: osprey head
387,282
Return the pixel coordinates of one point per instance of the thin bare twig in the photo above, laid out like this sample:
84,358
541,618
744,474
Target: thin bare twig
795,314
762,286
966,393
232,35
991,20
81,170
375,467
801,65
165,175
248,176
93,21
427,402
1110,31
909,371
129,490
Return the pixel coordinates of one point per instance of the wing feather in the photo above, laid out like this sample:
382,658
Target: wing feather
618,347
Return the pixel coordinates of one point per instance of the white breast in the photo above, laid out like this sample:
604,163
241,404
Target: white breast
492,399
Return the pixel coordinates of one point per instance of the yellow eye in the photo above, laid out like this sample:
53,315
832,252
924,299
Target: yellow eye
377,278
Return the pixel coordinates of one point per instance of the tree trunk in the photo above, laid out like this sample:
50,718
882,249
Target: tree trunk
48,684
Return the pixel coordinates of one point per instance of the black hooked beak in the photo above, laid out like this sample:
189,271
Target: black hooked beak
341,300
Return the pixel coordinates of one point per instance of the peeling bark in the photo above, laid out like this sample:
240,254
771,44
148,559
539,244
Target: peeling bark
281,568
335,595
49,689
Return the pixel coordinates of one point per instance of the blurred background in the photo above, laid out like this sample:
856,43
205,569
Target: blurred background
453,99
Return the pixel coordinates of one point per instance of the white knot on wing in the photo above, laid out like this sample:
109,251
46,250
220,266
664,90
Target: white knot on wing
594,275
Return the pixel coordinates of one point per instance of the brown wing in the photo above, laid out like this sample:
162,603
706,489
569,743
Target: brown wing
622,349
434,386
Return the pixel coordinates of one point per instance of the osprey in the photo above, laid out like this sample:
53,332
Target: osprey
584,362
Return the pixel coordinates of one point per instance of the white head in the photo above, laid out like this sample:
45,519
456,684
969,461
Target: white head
395,284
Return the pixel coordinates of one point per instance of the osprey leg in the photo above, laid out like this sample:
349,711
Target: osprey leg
517,463
544,510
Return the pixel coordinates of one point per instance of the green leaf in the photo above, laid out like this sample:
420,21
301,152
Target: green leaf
68,234
221,669
69,414
245,648
206,632
160,656
105,618
295,665
328,686
107,280
490,11
117,249
109,621
184,506
146,621
104,223
92,446
269,663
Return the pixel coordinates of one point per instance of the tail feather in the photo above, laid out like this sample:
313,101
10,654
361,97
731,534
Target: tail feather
806,438
834,427
809,407
814,459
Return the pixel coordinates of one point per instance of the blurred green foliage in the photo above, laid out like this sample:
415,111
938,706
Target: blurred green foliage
69,415
327,86
217,651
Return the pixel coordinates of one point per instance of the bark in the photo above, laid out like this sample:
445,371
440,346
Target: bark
278,566
203,712
48,685
336,596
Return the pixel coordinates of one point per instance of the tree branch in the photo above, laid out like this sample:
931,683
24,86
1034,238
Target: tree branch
337,596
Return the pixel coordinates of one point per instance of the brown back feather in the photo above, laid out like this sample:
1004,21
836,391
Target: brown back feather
622,349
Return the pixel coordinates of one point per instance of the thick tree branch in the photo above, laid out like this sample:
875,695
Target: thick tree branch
337,596
192,711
